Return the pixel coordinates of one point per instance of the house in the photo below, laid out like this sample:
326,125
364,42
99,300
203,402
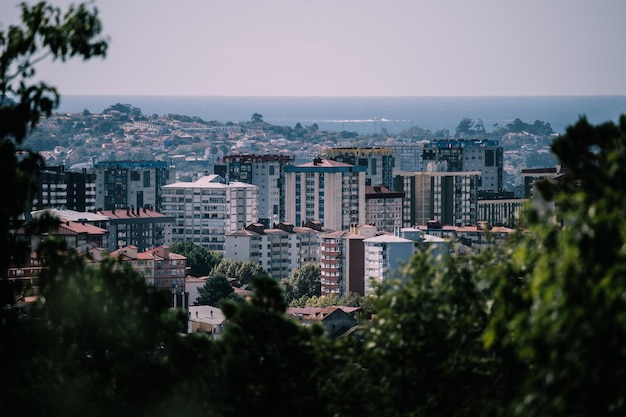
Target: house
208,320
336,320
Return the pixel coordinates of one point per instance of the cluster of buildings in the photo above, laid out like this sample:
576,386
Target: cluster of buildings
350,210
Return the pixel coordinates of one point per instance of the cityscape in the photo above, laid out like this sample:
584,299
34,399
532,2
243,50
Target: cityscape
432,224
357,212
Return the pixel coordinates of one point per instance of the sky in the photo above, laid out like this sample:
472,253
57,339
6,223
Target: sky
350,48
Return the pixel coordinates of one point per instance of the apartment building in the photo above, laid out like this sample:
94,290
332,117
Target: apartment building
142,228
279,250
448,197
342,261
383,208
484,156
408,156
504,212
209,208
134,184
160,268
532,175
58,188
79,230
379,163
384,255
327,191
266,172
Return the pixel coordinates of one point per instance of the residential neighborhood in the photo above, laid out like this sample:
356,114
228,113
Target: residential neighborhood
251,194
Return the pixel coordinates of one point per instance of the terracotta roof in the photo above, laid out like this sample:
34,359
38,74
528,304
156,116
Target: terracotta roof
73,228
131,213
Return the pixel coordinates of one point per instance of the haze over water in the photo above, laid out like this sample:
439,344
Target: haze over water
367,115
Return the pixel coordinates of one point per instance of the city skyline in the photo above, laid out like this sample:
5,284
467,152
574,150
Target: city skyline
349,48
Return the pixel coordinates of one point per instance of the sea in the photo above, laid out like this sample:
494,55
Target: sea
369,115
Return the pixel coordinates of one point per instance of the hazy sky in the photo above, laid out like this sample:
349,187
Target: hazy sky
351,47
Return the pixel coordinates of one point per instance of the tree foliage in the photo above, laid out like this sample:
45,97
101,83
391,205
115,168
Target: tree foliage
281,360
215,290
304,282
565,316
44,32
242,271
535,327
200,260
97,342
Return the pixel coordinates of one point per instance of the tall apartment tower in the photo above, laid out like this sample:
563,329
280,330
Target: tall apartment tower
448,197
408,156
379,162
324,190
266,172
207,209
383,208
65,189
485,156
136,184
342,263
532,175
384,255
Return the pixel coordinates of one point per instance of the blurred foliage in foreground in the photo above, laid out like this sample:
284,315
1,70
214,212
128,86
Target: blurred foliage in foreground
536,327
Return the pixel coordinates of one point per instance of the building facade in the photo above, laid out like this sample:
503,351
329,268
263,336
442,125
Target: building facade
141,228
484,156
131,184
266,172
454,199
408,156
327,191
448,197
379,162
58,188
342,261
532,175
383,208
502,212
160,268
384,255
279,250
209,208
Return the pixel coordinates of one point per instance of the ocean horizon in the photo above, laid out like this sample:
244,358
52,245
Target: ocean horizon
368,115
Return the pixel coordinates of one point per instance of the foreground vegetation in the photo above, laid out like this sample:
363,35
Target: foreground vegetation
535,327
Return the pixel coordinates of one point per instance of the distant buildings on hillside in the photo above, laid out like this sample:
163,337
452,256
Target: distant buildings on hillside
350,210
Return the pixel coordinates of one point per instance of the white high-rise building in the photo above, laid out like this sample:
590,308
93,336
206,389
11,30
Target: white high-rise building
207,209
384,256
327,191
265,171
279,250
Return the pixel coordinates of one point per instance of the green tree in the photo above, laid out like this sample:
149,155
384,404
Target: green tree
97,342
282,361
304,281
257,118
44,32
559,299
215,290
200,260
464,127
425,346
242,271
